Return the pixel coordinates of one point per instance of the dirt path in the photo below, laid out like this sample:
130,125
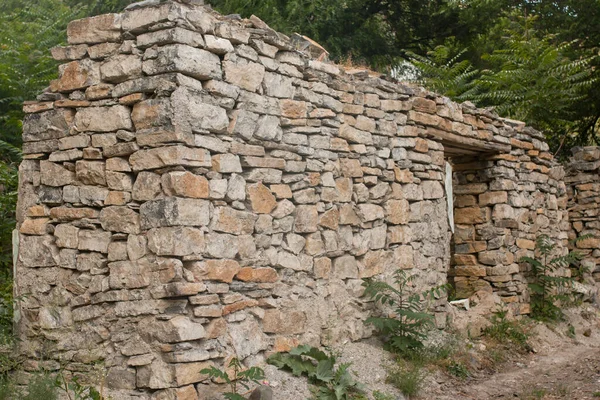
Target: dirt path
562,369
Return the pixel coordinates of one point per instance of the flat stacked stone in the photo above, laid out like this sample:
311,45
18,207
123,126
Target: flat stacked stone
194,189
583,186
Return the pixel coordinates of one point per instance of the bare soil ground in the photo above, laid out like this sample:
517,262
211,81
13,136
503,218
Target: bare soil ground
559,367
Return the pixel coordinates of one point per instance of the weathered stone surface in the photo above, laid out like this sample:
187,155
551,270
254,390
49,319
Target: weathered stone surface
120,219
344,267
177,329
76,75
174,211
47,125
226,163
193,113
248,274
98,29
169,156
288,322
243,73
247,338
261,199
306,220
129,274
38,251
121,68
94,240
228,220
185,184
215,270
197,63
147,186
175,241
55,174
103,119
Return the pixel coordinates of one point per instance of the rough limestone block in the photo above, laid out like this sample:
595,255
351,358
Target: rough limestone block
170,36
98,29
193,113
76,75
121,68
170,156
197,63
174,211
119,219
246,74
129,274
185,184
175,241
52,124
228,220
139,19
38,251
103,119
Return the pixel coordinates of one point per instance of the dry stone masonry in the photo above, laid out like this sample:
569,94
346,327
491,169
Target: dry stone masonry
583,180
194,188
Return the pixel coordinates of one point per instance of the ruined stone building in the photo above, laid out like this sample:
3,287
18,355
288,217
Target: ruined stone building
195,188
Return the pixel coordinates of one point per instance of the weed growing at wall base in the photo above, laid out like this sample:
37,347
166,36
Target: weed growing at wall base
405,330
331,382
547,289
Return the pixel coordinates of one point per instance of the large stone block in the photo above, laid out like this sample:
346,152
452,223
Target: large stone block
103,119
129,274
243,73
169,156
197,63
214,270
228,220
52,174
120,219
174,211
38,251
98,29
176,241
185,184
262,200
177,329
193,113
121,68
76,75
287,322
48,125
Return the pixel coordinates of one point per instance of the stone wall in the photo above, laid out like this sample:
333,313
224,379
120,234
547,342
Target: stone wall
194,188
503,202
583,185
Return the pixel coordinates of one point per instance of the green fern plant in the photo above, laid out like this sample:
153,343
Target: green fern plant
405,330
240,377
547,288
445,71
331,383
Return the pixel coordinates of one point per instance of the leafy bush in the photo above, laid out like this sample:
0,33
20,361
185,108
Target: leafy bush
40,386
548,289
331,383
242,377
405,330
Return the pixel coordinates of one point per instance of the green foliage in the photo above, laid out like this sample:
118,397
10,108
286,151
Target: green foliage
40,386
548,288
240,376
331,383
443,71
75,390
407,377
377,395
405,330
507,332
458,369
